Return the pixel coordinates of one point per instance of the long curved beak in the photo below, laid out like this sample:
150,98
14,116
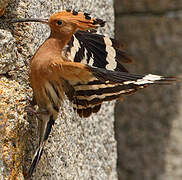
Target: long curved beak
44,21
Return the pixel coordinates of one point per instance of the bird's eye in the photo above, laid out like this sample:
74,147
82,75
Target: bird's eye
58,22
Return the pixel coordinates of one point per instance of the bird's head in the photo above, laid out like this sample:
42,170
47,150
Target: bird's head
67,22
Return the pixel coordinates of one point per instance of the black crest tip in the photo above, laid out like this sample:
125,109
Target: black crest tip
86,14
99,21
87,17
68,10
74,12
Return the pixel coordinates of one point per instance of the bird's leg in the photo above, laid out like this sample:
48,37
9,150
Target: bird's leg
33,112
43,120
30,107
42,117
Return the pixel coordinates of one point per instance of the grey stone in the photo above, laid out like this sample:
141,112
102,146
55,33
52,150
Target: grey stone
147,6
148,124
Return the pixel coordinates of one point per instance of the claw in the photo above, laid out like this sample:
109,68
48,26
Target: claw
31,111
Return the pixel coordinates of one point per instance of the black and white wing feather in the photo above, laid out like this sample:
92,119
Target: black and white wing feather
106,86
97,50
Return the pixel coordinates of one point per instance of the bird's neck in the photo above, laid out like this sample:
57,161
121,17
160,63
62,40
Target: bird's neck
54,45
59,39
51,48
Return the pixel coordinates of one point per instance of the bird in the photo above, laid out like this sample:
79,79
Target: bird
77,62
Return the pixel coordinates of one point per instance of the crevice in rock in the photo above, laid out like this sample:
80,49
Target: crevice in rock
7,75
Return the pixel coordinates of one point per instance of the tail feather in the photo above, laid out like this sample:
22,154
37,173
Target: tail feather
45,130
35,159
111,85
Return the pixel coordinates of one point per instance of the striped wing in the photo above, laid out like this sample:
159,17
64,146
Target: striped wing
87,87
88,98
96,50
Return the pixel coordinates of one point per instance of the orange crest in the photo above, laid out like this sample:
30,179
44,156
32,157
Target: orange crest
82,20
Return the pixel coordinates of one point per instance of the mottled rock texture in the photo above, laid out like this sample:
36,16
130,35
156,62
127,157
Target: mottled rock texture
149,124
78,148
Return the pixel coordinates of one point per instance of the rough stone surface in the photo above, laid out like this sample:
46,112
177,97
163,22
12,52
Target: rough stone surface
148,124
12,129
78,148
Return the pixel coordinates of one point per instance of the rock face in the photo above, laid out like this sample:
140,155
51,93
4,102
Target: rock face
78,148
148,124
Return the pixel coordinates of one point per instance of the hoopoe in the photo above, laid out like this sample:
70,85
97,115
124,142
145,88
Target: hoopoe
85,66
